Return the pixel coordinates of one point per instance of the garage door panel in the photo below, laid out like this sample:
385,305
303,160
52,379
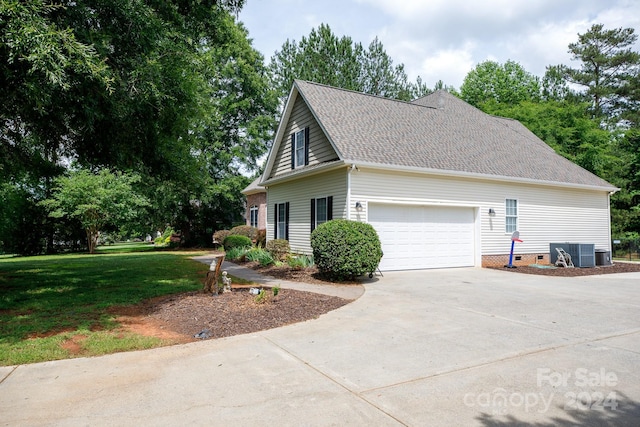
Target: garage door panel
416,237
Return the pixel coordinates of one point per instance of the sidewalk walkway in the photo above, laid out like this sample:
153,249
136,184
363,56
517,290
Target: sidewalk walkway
350,292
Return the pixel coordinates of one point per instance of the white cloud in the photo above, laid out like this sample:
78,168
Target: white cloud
445,39
450,66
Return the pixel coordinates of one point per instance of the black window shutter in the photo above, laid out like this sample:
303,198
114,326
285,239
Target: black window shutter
286,219
329,208
313,214
306,145
293,150
275,222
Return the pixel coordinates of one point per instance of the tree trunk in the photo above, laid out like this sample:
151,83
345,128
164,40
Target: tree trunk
211,283
92,240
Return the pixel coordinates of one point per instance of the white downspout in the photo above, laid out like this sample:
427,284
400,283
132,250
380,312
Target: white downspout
349,191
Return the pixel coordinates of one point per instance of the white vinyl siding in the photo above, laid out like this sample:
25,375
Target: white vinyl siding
299,194
320,149
544,212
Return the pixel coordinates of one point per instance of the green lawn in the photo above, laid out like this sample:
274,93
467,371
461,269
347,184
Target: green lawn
47,300
123,247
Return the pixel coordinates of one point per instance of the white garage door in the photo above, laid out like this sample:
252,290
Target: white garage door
417,237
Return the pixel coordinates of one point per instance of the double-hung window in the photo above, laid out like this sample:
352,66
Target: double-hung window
281,221
321,211
511,215
300,148
253,216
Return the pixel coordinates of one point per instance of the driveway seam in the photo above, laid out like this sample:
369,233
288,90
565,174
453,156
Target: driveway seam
505,359
9,374
334,381
519,322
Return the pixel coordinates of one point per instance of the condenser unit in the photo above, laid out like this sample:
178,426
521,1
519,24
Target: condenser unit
582,254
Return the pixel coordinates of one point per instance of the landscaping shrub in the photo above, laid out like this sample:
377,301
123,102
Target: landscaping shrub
260,255
236,254
235,241
344,249
299,262
279,248
244,230
220,235
261,238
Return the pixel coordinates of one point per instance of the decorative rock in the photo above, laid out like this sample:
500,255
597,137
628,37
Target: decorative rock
204,334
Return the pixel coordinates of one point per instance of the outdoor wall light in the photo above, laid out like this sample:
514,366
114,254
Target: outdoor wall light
491,212
359,206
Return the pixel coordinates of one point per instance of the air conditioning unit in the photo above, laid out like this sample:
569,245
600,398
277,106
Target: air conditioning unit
582,254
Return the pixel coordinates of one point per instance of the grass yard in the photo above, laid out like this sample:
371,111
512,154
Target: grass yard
46,301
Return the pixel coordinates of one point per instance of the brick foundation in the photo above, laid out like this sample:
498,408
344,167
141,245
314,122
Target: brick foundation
524,259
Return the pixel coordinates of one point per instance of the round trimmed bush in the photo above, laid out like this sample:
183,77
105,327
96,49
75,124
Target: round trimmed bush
244,230
344,249
235,241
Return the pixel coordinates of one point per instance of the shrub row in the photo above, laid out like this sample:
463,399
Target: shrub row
265,258
342,249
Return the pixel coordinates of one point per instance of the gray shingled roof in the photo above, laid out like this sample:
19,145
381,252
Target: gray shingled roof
438,132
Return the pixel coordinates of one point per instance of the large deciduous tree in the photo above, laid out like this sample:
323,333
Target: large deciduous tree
491,82
171,89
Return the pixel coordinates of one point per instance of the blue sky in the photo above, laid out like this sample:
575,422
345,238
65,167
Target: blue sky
444,39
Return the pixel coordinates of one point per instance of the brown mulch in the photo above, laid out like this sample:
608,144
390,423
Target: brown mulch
284,272
618,267
178,318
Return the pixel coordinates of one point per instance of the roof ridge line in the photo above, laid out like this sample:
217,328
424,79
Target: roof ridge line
366,94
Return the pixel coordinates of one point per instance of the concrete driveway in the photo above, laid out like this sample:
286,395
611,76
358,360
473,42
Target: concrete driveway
439,347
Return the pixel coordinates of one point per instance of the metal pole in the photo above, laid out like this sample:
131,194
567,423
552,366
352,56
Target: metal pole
513,242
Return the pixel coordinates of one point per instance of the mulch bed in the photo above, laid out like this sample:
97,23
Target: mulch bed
618,267
284,272
229,313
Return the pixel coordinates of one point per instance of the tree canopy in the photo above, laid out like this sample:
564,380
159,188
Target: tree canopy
325,58
608,67
97,201
491,82
172,90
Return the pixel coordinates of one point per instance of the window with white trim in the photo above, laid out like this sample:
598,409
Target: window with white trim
511,215
281,221
299,149
253,216
321,211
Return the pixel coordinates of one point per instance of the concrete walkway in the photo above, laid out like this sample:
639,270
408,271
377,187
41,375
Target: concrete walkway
342,291
456,347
